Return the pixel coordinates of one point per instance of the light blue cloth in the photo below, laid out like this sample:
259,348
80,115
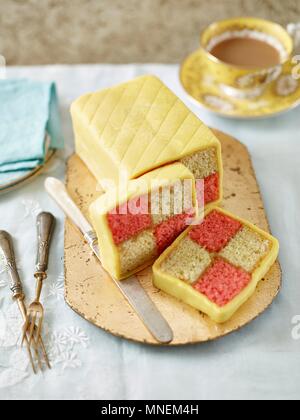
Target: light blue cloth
28,110
260,361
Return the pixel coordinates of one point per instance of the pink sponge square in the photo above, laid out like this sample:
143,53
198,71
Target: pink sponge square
129,219
215,231
208,189
211,188
167,231
222,282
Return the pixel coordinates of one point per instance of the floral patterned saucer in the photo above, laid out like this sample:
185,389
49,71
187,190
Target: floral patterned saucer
280,96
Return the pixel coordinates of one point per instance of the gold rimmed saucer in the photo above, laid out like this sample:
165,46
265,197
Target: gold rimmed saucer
280,96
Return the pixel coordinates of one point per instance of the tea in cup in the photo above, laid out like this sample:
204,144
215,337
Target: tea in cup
244,55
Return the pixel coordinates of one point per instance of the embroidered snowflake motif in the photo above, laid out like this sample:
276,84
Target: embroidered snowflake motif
286,85
62,344
32,208
76,336
56,288
68,361
57,344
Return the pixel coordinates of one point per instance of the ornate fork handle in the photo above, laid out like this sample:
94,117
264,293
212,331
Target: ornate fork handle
6,247
45,227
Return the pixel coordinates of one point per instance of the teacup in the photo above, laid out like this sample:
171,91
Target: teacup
257,52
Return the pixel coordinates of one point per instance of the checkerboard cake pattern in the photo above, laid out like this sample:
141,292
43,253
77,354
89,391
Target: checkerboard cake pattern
216,265
137,230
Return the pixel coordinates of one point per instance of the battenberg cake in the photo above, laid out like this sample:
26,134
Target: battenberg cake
128,130
136,224
216,265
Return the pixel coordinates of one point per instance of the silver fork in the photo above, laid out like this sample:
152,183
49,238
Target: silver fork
7,249
35,315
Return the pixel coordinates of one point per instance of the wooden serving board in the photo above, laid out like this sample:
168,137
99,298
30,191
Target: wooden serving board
90,292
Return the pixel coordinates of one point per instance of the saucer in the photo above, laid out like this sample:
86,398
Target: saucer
280,96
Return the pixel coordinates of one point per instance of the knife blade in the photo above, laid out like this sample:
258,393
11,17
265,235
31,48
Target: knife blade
131,288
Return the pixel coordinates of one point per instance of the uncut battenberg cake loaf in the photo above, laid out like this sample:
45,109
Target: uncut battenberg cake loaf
216,266
136,224
130,129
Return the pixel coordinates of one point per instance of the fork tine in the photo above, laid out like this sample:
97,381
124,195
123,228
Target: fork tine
28,346
29,354
36,343
38,329
44,352
37,355
32,327
35,338
25,328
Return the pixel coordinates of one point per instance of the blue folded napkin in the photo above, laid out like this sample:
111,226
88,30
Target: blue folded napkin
28,112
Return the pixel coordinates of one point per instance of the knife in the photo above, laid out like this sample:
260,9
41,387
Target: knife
131,288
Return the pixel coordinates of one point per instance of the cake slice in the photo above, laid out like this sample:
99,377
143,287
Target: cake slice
136,223
128,130
216,265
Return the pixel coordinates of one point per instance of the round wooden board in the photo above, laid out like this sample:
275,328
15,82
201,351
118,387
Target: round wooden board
90,292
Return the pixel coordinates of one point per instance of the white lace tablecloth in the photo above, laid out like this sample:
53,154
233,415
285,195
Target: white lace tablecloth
260,361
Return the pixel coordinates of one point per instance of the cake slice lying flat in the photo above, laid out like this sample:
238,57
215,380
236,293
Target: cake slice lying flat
136,223
216,265
128,130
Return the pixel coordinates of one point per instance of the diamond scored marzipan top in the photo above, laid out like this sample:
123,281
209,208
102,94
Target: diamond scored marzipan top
139,125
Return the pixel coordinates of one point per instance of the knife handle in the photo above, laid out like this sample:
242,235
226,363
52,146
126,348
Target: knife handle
45,226
7,249
59,193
